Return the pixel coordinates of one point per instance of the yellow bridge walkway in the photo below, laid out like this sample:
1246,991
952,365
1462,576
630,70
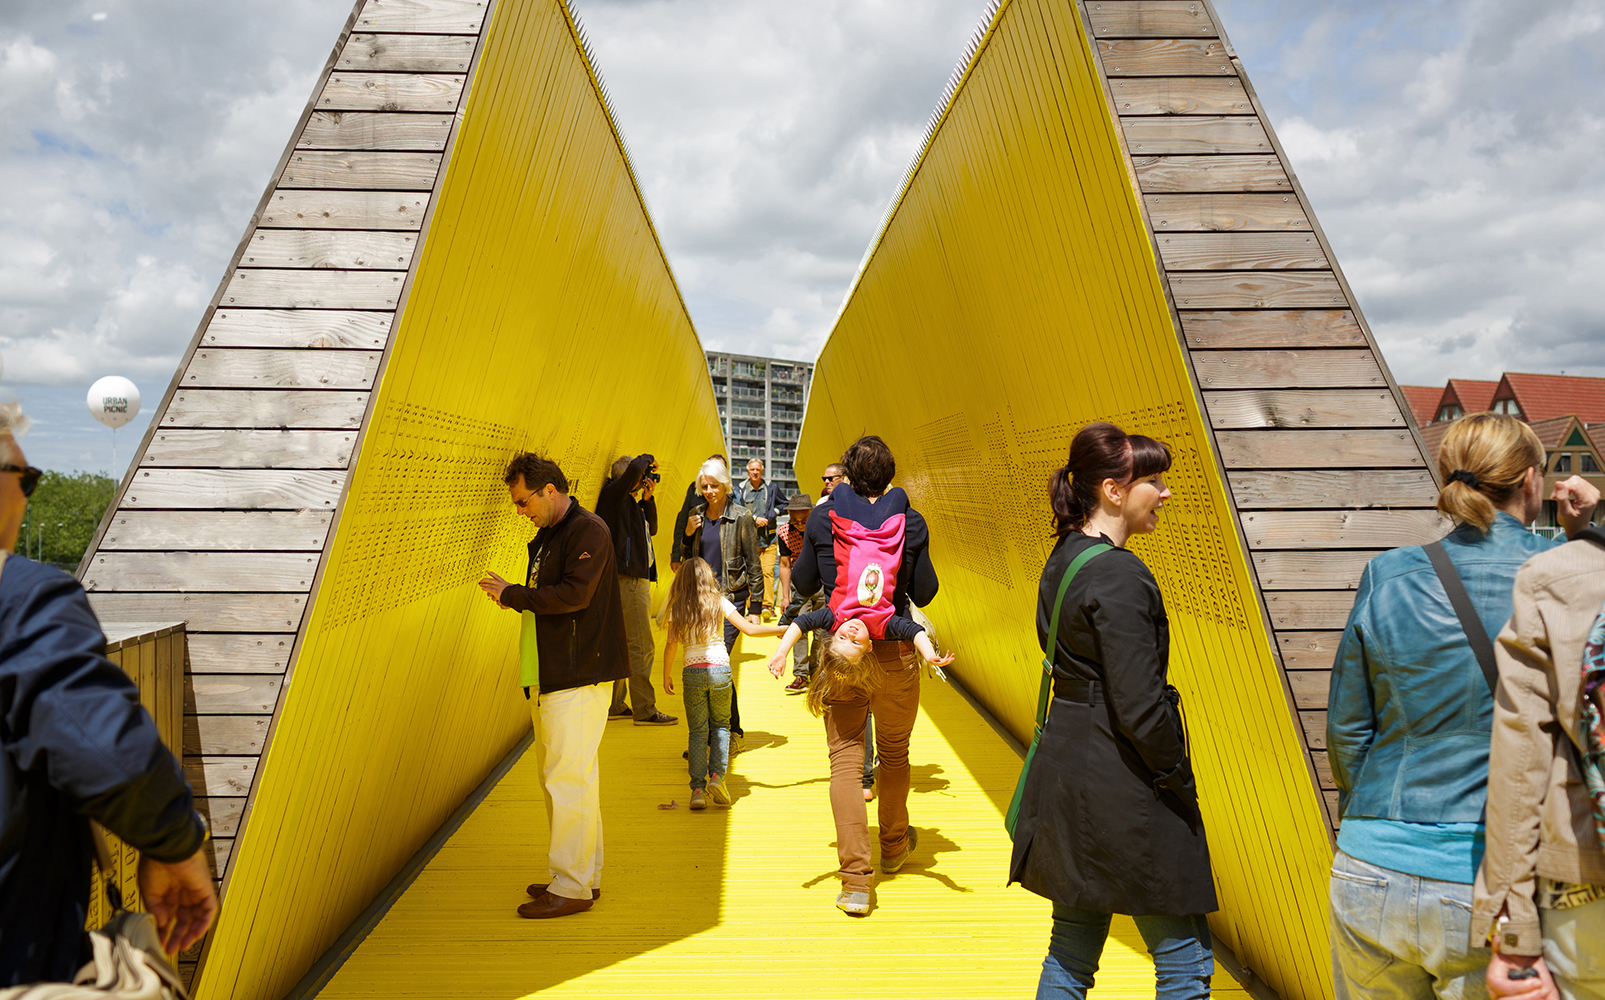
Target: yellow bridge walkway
738,902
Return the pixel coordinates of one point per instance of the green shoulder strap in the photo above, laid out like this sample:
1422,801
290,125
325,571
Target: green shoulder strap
1045,695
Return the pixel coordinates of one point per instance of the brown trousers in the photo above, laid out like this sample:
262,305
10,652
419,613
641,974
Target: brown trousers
896,704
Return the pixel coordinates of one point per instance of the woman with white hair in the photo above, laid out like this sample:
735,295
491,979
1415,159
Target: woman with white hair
724,534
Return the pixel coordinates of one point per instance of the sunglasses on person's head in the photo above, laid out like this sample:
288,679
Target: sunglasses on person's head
30,477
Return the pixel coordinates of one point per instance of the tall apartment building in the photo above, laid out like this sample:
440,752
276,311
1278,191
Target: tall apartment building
761,407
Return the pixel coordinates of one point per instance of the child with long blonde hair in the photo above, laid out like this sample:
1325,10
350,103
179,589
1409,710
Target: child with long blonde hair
692,616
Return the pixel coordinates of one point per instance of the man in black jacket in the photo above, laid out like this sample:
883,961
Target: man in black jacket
78,746
571,594
632,523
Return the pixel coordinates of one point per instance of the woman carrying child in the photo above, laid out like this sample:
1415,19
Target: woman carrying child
692,615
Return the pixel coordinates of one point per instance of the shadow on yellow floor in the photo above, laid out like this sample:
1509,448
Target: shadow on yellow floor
738,902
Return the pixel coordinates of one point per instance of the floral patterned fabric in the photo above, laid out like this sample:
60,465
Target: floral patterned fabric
1592,720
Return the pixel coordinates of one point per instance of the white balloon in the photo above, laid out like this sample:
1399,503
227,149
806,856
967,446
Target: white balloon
114,401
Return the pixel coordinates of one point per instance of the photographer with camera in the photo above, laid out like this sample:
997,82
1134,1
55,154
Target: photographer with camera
626,505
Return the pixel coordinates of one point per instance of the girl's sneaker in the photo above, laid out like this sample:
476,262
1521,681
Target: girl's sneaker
698,799
718,792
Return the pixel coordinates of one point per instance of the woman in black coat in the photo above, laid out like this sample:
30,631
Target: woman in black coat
1109,821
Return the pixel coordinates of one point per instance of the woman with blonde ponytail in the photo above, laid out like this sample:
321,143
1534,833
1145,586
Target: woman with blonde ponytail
1409,716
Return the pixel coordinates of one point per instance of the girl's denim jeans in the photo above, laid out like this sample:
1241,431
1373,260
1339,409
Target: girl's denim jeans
708,690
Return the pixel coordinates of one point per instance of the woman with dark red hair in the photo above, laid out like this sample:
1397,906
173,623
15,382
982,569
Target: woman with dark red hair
1109,819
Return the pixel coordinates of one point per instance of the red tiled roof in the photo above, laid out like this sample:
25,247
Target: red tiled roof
1423,400
1433,435
1544,396
1597,435
1474,395
1553,431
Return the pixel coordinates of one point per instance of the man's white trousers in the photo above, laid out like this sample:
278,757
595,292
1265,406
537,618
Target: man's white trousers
568,733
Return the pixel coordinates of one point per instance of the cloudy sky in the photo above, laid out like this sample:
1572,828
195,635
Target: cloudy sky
1451,152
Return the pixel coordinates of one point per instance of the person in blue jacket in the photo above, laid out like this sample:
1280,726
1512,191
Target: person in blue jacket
78,747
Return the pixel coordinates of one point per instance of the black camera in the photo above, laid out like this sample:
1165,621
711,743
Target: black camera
655,476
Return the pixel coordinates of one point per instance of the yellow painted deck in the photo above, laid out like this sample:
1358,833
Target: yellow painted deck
738,902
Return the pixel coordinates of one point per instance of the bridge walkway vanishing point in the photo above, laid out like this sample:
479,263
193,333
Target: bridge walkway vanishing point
738,902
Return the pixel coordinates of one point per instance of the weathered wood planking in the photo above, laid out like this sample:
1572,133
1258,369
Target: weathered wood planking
332,209
296,328
1311,569
1241,252
221,531
200,572
1314,724
252,367
1170,95
222,813
1149,19
330,168
231,612
223,734
1303,408
1309,688
1328,368
1204,134
407,53
250,449
1342,529
455,17
1272,328
240,653
302,408
316,289
391,92
338,248
1256,289
220,775
1222,213
1323,770
375,130
248,489
1317,488
1308,650
1202,174
1317,449
1165,57
1304,610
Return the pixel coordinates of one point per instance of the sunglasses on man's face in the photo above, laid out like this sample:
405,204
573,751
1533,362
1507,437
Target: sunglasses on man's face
831,479
30,477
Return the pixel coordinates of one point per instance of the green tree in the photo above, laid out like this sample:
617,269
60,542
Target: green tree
63,514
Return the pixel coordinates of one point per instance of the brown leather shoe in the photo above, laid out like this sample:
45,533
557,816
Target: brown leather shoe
538,890
548,905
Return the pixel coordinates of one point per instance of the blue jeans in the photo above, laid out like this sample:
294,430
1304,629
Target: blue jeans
1397,936
707,705
1180,946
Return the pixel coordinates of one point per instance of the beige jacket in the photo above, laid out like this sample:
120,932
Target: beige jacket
1540,820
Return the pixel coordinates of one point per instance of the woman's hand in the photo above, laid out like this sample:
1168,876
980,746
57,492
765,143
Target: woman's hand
1502,987
693,524
1575,499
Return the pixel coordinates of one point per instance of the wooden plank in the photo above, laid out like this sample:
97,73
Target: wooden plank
1309,688
1348,449
1256,289
1317,488
225,733
250,449
201,572
222,813
218,851
1173,95
329,209
1149,19
229,776
445,17
236,489
236,531
259,368
1308,650
297,328
375,130
1220,213
240,653
1164,57
1309,609
407,53
343,249
1333,815
1323,769
1272,328
1314,725
232,612
300,408
1322,569
1199,174
310,168
1303,408
1241,252
1208,134
360,91
1342,529
319,289
1313,369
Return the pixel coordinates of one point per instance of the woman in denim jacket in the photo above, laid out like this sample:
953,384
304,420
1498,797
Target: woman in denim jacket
1408,720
